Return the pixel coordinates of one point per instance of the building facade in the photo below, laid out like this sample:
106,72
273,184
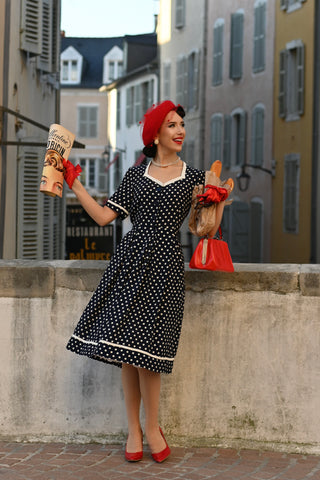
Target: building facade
32,224
293,132
239,118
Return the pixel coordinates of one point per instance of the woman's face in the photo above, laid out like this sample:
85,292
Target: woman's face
172,133
51,181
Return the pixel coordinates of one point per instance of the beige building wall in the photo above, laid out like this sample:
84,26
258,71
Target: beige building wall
31,93
245,93
294,137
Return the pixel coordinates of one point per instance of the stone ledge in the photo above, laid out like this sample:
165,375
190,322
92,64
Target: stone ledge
32,279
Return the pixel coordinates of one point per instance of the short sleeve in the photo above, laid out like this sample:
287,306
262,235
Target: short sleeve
120,201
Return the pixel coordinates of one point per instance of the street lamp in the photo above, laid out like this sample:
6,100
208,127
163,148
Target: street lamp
243,178
107,151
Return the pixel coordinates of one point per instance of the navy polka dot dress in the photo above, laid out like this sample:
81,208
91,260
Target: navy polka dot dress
136,312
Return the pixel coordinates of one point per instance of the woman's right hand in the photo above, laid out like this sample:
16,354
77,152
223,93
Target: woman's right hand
70,172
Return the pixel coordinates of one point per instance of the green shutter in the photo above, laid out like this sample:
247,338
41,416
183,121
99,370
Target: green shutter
257,137
227,141
283,83
242,138
237,21
300,79
216,138
217,73
259,40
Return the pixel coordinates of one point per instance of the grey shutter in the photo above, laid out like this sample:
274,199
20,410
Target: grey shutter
118,109
190,153
291,193
29,215
129,107
185,81
283,83
103,176
55,38
300,79
166,81
31,26
239,234
242,138
283,4
44,61
237,20
180,14
259,41
137,103
196,80
217,73
216,138
256,232
52,228
227,141
179,81
257,136
150,94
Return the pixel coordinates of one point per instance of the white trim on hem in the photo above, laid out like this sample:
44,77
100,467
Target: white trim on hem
124,347
119,206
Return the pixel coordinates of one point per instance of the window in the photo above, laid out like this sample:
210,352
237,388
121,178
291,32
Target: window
138,99
129,106
89,174
236,47
117,170
257,135
88,121
112,65
218,35
291,193
167,81
180,18
118,109
256,230
71,66
259,38
238,137
147,98
182,81
291,5
291,81
193,81
137,103
216,137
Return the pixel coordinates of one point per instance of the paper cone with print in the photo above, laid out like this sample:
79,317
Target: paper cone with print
59,145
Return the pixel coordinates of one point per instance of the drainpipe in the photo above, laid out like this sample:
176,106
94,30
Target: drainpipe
203,87
315,178
6,51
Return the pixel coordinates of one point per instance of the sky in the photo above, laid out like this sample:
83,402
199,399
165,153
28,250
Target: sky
107,18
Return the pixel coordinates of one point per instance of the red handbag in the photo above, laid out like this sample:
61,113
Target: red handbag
212,254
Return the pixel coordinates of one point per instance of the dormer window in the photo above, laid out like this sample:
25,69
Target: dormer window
71,66
112,65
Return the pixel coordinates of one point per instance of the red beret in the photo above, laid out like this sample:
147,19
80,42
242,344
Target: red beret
153,119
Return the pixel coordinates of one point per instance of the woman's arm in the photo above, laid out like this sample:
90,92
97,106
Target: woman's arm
219,214
101,215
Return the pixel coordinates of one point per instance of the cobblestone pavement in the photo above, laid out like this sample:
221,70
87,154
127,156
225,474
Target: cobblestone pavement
30,461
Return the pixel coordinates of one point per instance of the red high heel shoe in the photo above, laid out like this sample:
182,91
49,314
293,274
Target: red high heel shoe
133,457
164,454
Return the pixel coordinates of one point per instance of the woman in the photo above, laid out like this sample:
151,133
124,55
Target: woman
134,318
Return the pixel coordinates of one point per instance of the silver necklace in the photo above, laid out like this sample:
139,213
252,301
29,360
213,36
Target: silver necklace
164,165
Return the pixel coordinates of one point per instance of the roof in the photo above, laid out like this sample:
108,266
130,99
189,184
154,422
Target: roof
93,50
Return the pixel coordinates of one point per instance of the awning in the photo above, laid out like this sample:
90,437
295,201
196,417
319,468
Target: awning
139,160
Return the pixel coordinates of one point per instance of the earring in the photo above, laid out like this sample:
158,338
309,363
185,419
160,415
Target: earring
156,142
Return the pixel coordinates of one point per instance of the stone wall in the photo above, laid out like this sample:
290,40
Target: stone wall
247,371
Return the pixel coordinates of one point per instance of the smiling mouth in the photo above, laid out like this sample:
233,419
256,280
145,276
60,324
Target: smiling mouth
178,140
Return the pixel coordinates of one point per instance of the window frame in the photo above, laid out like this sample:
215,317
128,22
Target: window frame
88,123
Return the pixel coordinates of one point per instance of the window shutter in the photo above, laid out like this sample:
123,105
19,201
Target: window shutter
180,13
283,4
259,38
256,232
190,153
185,81
242,138
52,228
217,73
44,61
283,83
216,138
166,81
29,217
55,37
291,193
300,79
129,108
237,20
31,26
239,232
227,141
137,103
257,136
103,176
118,109
179,81
196,68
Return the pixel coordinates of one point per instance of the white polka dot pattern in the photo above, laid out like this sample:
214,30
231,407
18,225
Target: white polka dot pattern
136,312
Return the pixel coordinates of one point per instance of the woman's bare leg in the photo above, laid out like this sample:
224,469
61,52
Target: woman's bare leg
132,396
150,383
